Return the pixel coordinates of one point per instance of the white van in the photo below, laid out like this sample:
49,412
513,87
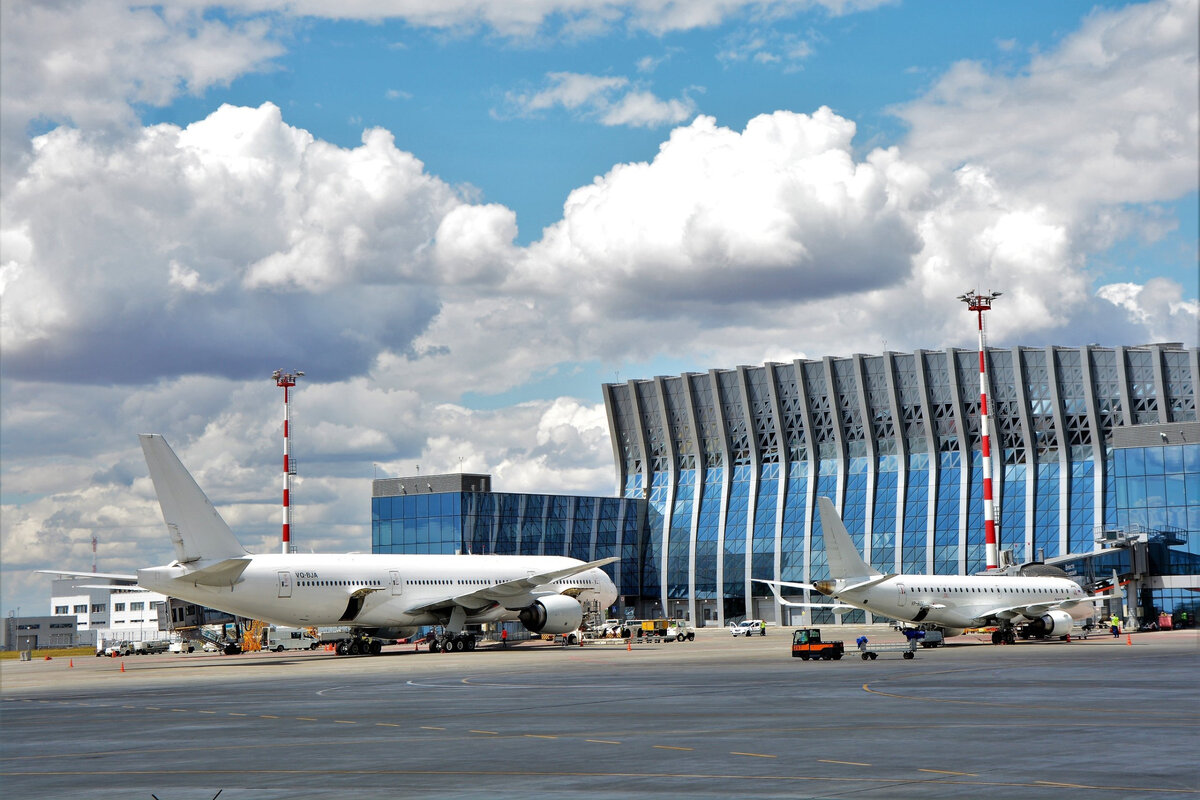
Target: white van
280,639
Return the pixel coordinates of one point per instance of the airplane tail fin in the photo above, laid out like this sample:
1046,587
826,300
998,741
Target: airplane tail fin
844,560
196,528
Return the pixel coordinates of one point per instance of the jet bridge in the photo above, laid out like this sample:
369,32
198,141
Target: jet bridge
194,622
1140,556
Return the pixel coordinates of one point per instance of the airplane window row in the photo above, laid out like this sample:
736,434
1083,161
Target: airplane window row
340,583
960,590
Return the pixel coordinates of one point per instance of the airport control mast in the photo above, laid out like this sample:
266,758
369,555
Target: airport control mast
980,303
285,381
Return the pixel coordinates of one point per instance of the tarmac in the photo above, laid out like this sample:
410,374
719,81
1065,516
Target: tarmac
719,717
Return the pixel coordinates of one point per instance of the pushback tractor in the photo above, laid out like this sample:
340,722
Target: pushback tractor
807,644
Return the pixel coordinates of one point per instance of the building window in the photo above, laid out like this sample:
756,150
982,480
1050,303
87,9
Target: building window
98,608
81,609
137,606
118,606
61,609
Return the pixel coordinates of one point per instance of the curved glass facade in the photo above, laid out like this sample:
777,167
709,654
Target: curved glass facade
737,458
718,475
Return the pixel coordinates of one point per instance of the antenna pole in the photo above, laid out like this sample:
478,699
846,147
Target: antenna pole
980,303
285,381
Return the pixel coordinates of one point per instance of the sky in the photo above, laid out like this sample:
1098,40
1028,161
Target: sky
461,217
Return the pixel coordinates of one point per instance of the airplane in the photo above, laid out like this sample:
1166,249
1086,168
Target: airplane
1041,606
376,595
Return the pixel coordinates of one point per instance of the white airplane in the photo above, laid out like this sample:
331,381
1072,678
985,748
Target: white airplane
388,596
1042,607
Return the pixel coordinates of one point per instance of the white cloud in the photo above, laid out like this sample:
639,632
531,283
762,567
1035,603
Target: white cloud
281,243
779,213
1158,307
767,46
611,100
88,63
571,17
1110,116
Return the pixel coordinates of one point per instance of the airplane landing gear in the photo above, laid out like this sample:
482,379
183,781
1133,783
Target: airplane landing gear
1004,635
456,643
359,645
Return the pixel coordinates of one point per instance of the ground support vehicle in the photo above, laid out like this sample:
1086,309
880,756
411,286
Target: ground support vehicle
280,639
680,631
150,647
119,649
807,645
871,651
748,627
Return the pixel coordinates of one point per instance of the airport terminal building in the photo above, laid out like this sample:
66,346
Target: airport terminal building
718,475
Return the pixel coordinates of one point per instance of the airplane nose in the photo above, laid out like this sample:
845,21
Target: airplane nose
824,587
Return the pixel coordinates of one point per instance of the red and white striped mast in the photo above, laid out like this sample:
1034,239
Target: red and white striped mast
285,381
980,303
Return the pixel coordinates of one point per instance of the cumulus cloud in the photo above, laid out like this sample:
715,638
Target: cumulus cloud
90,63
610,100
778,213
1157,307
1110,116
205,248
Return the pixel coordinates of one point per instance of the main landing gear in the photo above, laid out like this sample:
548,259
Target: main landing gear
359,646
456,643
1004,635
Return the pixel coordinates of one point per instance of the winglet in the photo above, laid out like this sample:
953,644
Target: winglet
196,528
844,560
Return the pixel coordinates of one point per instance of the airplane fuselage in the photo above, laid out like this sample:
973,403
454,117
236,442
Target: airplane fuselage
375,591
961,601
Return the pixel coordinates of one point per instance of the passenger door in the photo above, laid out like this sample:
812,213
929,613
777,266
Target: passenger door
284,583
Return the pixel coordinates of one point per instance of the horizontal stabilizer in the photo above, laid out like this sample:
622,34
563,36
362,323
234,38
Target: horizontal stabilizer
91,576
787,584
223,573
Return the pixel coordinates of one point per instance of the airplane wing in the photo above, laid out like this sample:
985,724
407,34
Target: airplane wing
517,590
789,584
1035,610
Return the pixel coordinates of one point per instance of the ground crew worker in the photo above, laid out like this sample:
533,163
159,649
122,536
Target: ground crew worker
1115,626
504,638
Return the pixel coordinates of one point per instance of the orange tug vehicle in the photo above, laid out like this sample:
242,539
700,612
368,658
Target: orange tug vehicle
806,644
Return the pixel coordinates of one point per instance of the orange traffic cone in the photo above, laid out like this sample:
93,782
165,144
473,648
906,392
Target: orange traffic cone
629,645
122,666
1128,640
71,663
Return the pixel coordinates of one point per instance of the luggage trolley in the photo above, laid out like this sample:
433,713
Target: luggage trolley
872,651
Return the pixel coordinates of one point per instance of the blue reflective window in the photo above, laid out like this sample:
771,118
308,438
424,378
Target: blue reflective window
1173,459
1154,460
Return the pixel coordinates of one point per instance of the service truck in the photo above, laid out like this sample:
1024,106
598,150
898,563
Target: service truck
280,639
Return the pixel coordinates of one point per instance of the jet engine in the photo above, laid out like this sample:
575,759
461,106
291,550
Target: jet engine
1052,623
553,613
